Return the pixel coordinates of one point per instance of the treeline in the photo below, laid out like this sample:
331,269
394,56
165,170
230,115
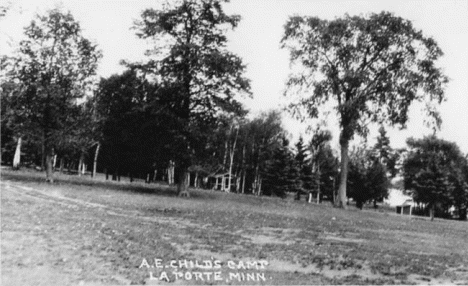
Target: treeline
129,128
176,116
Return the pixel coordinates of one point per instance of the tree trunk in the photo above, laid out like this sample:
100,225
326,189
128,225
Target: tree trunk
341,198
17,157
43,155
260,186
62,164
48,164
432,211
182,190
80,164
359,204
225,153
233,150
256,181
54,164
298,195
170,173
318,184
243,169
334,187
155,175
243,182
96,154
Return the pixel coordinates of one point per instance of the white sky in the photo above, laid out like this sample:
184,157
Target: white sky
257,38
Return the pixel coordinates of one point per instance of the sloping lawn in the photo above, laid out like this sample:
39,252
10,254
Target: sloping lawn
80,231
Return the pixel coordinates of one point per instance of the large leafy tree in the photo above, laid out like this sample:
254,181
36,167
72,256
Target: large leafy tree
433,174
55,65
136,124
192,59
372,68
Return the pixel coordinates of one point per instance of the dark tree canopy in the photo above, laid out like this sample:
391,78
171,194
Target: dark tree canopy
195,60
372,68
367,178
192,60
434,173
382,146
302,162
281,173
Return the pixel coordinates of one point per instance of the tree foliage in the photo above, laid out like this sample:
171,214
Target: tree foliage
367,178
192,61
55,65
137,124
435,174
302,162
372,67
281,173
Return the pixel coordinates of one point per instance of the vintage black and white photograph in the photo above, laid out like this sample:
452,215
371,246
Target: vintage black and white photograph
234,142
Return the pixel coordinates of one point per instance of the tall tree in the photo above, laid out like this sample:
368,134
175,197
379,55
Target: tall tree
135,123
55,64
280,174
377,181
193,60
433,173
372,67
302,162
265,134
382,146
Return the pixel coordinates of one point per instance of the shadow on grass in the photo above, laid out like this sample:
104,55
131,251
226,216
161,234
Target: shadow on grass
157,189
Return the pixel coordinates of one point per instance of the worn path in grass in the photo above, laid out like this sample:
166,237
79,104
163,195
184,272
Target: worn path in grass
83,232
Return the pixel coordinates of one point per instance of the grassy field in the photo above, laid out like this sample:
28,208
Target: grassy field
80,231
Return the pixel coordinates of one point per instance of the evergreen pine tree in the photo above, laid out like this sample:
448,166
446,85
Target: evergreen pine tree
382,147
280,175
384,152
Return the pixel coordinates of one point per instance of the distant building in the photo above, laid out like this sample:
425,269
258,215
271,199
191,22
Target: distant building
403,204
405,208
220,182
396,197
